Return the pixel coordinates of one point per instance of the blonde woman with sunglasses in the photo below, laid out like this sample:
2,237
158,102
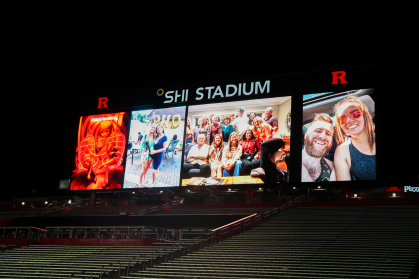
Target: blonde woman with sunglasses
355,158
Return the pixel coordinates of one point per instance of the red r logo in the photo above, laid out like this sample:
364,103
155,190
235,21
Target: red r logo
102,102
338,75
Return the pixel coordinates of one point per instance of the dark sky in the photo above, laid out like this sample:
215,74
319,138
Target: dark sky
52,77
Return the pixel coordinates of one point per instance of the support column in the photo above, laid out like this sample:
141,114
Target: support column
93,199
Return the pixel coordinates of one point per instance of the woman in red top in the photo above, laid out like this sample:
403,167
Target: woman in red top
262,130
251,153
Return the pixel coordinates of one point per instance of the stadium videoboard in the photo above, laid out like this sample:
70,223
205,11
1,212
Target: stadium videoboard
339,137
231,133
155,137
101,146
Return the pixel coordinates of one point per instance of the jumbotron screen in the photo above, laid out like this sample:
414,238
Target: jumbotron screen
234,143
155,148
231,133
100,153
339,136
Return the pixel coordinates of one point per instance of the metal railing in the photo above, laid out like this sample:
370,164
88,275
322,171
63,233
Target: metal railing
155,209
224,232
19,235
248,222
192,239
15,232
125,232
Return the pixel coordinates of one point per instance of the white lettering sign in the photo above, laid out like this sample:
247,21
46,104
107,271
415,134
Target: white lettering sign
411,189
218,91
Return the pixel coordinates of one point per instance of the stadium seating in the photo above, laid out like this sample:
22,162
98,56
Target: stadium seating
316,242
345,242
44,261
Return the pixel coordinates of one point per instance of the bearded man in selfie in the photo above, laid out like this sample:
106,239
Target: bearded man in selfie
318,141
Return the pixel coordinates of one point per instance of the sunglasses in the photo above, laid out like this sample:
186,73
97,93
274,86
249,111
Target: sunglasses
353,114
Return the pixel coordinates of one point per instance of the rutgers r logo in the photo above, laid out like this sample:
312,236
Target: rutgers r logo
338,75
102,102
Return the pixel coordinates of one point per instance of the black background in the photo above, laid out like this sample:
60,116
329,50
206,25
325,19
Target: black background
51,77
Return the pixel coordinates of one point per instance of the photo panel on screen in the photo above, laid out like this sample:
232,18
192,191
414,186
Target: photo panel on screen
101,149
155,148
339,136
234,143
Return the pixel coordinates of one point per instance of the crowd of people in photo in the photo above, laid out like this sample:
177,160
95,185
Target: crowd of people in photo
354,131
234,145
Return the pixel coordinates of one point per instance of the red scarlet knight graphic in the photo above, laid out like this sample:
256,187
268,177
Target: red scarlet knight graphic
100,152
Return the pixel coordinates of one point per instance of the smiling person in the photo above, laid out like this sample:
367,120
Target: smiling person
227,129
189,132
198,157
205,129
231,156
215,155
160,145
318,141
147,147
251,153
262,130
252,116
196,130
355,158
241,123
270,119
216,128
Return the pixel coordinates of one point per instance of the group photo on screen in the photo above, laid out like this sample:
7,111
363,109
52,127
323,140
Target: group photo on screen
339,136
242,142
155,148
101,147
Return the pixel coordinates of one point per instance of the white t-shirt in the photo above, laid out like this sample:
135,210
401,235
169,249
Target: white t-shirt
240,125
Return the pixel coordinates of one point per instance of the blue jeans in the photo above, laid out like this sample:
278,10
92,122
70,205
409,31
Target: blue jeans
234,171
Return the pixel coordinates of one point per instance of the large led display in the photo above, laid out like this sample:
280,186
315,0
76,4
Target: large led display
339,136
155,148
233,143
101,147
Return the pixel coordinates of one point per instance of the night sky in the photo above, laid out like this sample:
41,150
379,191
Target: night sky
52,77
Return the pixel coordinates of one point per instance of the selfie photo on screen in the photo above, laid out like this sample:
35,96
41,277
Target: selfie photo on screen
339,136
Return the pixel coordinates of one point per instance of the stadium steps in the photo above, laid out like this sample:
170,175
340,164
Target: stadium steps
369,242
